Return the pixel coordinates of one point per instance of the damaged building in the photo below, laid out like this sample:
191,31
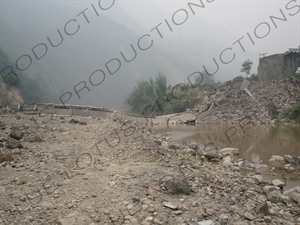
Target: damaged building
279,66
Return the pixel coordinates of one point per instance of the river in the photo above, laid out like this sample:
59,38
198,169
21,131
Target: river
256,143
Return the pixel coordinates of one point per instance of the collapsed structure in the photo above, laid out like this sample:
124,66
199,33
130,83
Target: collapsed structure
279,66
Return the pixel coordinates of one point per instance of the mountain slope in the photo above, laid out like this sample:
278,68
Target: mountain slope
98,41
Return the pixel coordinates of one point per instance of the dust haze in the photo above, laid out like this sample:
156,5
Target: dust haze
94,52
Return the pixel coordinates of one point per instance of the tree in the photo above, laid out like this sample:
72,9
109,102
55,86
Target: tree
146,92
206,79
246,67
160,85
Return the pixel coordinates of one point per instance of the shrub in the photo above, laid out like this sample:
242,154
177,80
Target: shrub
292,113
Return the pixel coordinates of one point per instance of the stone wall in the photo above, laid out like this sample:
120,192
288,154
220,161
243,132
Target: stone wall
278,66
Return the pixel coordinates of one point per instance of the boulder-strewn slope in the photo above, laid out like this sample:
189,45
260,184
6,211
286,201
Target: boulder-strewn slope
229,103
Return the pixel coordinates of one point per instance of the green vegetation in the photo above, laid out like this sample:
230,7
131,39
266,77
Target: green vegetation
30,90
254,77
166,99
274,113
297,75
292,113
246,67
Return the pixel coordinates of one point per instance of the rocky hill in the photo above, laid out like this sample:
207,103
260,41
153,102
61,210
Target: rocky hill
237,99
10,94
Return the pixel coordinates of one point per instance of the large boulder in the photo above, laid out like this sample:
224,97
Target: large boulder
294,194
13,143
276,158
227,162
278,183
16,134
289,158
245,164
296,159
175,186
193,146
228,151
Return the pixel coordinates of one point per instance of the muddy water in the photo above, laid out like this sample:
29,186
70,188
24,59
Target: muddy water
255,143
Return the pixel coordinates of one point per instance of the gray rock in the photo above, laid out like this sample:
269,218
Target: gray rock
289,168
210,211
168,138
151,143
176,186
268,189
2,126
263,209
36,139
275,196
294,194
240,223
13,143
158,142
170,205
74,121
16,134
245,164
258,178
276,158
206,222
193,145
180,146
278,183
164,144
227,162
249,216
267,219
172,146
292,190
72,220
201,152
1,158
229,151
5,157
223,219
191,151
296,198
211,153
296,159
289,158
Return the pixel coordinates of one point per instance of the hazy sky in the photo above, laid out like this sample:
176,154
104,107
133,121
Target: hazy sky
261,26
241,19
242,16
238,18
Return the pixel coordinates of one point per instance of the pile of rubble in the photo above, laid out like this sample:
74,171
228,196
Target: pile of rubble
232,101
89,171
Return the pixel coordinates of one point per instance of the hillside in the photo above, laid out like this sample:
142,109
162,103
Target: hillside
10,95
261,102
22,88
28,24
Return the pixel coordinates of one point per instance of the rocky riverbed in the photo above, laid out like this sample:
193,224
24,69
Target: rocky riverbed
83,170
